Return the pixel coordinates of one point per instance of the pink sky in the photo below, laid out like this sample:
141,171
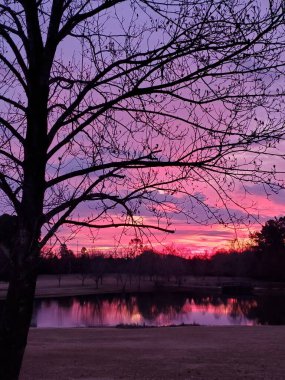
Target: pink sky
117,138
191,237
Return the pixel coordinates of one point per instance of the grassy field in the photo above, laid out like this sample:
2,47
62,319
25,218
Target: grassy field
71,285
196,353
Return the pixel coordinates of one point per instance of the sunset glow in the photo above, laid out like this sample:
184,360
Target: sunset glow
191,238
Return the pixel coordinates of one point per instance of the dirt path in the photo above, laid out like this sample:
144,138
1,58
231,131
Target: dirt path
197,353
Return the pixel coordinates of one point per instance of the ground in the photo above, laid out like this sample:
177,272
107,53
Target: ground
186,352
71,285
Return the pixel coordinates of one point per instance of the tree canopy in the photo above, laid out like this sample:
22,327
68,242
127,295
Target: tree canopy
121,104
271,238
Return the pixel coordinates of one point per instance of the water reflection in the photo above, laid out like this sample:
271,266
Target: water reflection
158,310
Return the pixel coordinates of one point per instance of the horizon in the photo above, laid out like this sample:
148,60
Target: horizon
195,239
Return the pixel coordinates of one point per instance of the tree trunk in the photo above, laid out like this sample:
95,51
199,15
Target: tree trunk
25,252
16,318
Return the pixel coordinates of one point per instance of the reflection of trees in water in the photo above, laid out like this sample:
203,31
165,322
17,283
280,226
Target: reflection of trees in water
268,310
151,306
120,303
130,304
114,309
91,312
67,302
242,307
262,309
238,308
207,302
102,309
97,308
200,300
235,308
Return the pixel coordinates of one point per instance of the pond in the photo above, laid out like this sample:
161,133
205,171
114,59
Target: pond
158,310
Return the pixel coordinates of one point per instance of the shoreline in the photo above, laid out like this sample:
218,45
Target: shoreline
47,287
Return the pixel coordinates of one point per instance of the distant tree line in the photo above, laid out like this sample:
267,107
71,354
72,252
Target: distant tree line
263,258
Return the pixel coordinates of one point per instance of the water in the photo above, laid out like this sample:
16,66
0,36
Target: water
158,310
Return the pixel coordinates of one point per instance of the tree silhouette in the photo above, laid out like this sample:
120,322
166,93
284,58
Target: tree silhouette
269,244
271,237
8,228
120,105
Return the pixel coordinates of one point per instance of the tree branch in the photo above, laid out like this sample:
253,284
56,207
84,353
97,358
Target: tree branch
100,226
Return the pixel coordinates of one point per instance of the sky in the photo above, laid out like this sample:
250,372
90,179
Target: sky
190,238
252,205
197,232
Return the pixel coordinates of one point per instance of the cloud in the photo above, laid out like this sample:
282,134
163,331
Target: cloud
276,196
188,232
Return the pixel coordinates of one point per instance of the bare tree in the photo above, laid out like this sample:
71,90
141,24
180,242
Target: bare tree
121,105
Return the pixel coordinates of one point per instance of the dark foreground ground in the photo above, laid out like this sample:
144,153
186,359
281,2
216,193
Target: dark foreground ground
202,353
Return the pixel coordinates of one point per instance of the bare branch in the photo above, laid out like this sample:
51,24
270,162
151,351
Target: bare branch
100,226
